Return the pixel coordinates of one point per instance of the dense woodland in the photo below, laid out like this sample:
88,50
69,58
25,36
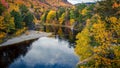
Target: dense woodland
98,43
18,16
98,40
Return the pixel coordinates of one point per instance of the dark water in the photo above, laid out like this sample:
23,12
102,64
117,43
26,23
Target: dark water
46,52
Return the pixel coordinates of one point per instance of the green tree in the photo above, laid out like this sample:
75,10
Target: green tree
72,15
61,10
17,19
29,20
80,6
23,9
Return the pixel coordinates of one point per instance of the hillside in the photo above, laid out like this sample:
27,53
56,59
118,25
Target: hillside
16,16
57,3
91,29
51,4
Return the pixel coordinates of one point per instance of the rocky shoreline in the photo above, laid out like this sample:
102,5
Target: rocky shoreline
29,35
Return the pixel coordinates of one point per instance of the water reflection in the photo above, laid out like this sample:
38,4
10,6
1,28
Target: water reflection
62,33
9,54
47,53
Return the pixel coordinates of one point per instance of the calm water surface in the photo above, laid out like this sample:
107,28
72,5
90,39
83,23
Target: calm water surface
46,52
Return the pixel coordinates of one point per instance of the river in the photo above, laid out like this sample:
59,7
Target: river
46,52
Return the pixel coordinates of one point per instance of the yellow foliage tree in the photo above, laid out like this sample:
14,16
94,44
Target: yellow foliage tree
106,55
83,47
2,35
105,52
9,21
13,7
72,21
115,25
2,28
2,24
60,32
84,11
62,18
51,16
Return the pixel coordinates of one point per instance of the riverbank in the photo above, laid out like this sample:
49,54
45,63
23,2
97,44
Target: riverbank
29,35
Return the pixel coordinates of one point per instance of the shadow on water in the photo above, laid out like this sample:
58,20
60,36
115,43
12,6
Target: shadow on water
62,33
46,52
9,54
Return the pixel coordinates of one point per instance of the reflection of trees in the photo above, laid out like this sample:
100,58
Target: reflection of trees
63,33
60,32
8,54
51,28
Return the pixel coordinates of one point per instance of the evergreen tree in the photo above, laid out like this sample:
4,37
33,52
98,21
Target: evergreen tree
17,19
29,20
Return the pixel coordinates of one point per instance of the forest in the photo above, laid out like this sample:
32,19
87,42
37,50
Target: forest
98,39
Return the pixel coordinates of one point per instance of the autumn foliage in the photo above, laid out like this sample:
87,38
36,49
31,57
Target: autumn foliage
98,40
98,43
4,3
